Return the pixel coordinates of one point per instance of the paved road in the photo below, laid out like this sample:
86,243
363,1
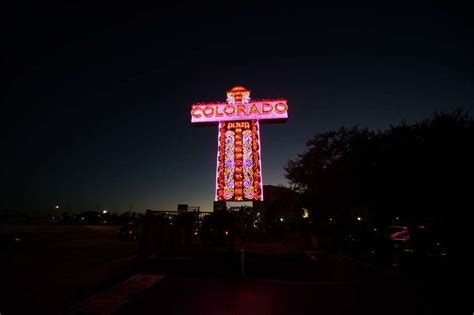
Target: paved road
58,265
335,285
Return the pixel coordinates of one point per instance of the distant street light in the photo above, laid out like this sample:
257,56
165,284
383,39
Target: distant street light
104,211
281,219
305,213
57,207
359,219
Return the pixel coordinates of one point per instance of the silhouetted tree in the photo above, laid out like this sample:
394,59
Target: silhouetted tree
333,174
420,172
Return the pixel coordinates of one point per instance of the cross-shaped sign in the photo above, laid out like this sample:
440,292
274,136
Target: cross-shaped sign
239,167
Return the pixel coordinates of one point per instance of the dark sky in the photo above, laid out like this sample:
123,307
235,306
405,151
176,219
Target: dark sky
96,100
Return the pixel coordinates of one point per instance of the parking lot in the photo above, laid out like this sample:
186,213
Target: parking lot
56,265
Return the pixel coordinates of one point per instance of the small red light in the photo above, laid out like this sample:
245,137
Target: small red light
226,232
130,232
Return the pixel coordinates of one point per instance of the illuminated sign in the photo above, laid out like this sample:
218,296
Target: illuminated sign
239,174
275,109
239,168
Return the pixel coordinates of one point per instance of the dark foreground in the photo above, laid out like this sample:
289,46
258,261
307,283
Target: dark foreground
57,271
331,284
56,265
318,283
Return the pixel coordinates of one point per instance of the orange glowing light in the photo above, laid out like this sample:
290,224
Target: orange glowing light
239,169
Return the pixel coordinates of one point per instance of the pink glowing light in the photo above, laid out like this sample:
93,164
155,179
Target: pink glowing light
238,173
218,162
256,110
260,162
239,163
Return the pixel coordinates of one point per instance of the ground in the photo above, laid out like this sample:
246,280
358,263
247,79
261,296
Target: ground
336,285
76,268
60,264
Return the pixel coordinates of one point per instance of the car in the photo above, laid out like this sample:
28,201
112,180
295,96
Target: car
129,231
387,245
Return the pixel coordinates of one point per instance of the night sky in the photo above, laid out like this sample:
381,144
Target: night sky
96,100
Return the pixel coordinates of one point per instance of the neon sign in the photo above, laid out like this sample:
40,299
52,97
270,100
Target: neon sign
239,167
276,109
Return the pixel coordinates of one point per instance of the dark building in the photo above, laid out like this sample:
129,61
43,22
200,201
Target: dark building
281,203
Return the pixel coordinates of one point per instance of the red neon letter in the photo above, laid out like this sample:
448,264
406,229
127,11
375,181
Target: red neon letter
229,110
281,108
208,111
218,114
266,108
241,109
194,110
254,109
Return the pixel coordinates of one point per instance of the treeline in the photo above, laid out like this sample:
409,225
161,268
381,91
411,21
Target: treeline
419,172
